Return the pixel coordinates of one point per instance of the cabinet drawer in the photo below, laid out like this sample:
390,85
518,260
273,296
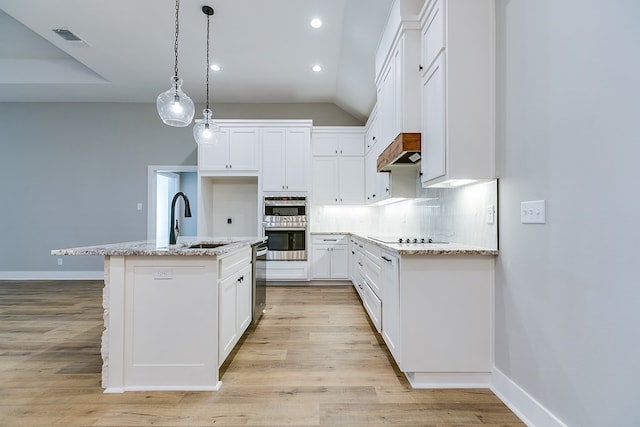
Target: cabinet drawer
373,306
329,239
233,262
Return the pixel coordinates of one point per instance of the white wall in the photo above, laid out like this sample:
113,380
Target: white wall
568,291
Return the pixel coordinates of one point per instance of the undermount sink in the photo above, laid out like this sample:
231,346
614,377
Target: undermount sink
207,245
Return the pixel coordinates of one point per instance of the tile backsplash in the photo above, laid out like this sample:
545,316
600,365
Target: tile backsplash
447,214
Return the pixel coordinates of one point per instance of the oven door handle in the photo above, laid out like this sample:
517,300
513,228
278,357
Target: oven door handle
285,228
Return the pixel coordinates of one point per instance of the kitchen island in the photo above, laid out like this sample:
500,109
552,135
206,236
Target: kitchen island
172,313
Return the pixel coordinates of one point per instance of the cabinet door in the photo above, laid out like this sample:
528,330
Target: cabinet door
214,157
321,262
325,180
432,34
351,176
324,145
386,104
339,262
391,305
297,159
227,332
243,300
434,122
351,145
372,136
273,160
243,149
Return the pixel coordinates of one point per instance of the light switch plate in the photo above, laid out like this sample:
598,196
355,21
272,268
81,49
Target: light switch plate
533,212
491,214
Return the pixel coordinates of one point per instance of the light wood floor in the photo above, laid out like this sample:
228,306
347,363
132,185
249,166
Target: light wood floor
313,360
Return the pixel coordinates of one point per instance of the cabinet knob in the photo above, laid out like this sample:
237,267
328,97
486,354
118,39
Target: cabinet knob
420,67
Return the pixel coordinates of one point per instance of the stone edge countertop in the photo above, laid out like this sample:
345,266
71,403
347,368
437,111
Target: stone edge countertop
421,248
151,248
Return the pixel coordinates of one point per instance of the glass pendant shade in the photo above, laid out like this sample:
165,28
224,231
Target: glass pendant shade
205,131
174,106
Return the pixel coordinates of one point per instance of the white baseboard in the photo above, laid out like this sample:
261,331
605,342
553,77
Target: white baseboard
51,275
448,379
529,410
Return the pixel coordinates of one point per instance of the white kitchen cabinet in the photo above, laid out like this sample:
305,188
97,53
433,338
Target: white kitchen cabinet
338,180
330,258
397,74
234,310
338,175
434,126
372,132
366,278
235,151
391,303
437,321
285,159
457,91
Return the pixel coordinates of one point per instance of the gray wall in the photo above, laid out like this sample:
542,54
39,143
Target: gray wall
72,174
567,292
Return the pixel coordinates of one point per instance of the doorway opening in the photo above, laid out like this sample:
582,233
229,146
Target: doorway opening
163,183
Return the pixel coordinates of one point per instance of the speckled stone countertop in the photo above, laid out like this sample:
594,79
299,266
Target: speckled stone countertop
421,248
151,248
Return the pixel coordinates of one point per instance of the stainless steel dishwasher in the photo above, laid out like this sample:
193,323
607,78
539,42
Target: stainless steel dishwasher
259,285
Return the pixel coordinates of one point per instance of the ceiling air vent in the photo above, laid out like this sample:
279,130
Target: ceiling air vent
67,35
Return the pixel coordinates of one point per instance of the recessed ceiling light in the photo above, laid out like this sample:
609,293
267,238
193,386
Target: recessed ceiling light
215,67
316,23
316,68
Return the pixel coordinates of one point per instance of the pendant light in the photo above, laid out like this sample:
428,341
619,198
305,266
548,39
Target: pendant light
174,106
205,131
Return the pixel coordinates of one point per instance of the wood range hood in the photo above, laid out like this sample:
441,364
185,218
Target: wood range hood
403,150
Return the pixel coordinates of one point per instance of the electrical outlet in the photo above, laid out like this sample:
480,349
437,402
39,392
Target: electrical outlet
139,206
491,214
59,261
533,212
162,273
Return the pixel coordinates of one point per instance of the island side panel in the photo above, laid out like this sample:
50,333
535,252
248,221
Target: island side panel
171,323
113,334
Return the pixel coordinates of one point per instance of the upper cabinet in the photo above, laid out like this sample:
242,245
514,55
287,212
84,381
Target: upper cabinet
285,158
457,84
236,151
338,165
397,73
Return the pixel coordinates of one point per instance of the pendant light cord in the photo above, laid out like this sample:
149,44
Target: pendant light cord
208,19
175,45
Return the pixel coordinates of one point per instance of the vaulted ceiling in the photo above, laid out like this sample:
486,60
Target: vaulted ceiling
265,48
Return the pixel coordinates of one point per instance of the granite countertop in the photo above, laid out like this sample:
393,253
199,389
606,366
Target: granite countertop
151,247
421,248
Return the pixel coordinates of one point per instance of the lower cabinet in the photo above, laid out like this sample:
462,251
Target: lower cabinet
329,257
234,304
365,276
434,312
437,318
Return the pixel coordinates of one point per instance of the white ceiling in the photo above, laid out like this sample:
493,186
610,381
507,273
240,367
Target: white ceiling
266,49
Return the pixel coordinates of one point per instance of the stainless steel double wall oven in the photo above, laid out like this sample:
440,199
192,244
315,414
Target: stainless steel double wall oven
285,224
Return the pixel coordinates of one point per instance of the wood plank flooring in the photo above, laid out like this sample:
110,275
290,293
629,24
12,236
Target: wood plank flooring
314,359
